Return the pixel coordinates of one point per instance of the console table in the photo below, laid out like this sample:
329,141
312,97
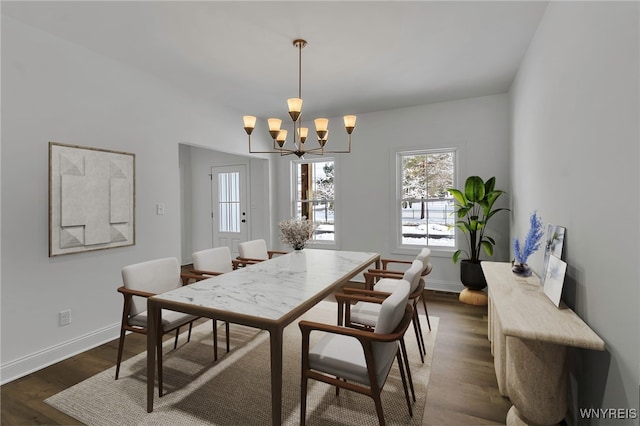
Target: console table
529,336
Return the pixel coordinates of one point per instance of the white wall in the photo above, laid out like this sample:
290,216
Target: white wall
197,224
365,177
574,158
56,91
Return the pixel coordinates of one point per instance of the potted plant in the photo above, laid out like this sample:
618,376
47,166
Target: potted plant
531,243
474,208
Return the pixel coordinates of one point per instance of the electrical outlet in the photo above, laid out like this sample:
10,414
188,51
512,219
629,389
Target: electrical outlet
64,317
159,209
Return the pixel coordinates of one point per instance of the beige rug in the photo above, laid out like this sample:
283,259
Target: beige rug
235,390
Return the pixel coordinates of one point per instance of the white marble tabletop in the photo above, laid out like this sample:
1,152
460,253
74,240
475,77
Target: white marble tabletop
274,288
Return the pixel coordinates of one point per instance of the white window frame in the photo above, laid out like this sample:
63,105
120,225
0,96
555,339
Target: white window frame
396,214
336,214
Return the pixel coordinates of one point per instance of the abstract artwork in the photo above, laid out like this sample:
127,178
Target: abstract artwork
555,279
553,246
91,199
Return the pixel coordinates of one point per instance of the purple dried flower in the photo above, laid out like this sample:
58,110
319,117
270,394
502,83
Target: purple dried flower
531,242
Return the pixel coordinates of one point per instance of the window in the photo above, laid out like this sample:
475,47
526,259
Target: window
314,196
424,206
229,202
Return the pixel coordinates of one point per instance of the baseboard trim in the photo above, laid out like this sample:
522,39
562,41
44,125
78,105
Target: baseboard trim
444,286
30,363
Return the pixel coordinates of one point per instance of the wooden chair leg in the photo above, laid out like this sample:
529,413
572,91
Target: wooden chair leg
215,340
403,349
226,330
404,383
159,356
420,336
175,342
120,348
303,399
415,329
424,304
378,402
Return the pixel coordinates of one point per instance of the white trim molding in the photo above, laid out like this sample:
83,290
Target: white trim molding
28,364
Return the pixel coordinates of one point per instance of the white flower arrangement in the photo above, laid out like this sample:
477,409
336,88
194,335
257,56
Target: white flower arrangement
296,232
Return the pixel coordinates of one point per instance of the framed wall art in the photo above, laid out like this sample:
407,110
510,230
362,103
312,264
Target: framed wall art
91,199
553,246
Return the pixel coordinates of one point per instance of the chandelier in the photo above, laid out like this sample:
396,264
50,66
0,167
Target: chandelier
279,135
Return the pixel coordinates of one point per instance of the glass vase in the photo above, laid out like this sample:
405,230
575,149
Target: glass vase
521,269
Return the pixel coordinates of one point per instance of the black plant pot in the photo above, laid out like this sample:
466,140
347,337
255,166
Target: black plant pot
471,275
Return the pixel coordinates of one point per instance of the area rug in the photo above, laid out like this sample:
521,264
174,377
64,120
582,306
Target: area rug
235,390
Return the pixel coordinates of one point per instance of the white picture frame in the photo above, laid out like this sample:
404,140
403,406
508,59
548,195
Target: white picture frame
91,199
554,280
553,246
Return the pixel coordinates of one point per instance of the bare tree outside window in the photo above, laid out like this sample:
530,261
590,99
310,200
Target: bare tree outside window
325,188
425,205
315,196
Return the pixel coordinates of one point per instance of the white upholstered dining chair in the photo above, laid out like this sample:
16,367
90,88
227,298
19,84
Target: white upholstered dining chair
361,312
141,281
358,360
213,261
209,263
367,309
424,256
255,251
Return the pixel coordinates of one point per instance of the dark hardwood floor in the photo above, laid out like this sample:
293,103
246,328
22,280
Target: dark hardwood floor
462,387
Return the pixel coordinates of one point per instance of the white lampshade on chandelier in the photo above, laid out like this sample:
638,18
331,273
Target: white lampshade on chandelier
299,134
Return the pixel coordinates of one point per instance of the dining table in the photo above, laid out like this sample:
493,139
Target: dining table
268,295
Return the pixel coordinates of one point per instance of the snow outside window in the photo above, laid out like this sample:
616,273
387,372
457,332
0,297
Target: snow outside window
425,209
314,196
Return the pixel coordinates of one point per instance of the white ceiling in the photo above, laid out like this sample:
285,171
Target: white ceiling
362,56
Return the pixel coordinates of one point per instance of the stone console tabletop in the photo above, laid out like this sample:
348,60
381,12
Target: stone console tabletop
529,336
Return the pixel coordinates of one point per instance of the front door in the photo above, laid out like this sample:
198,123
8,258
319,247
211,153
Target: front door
229,201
